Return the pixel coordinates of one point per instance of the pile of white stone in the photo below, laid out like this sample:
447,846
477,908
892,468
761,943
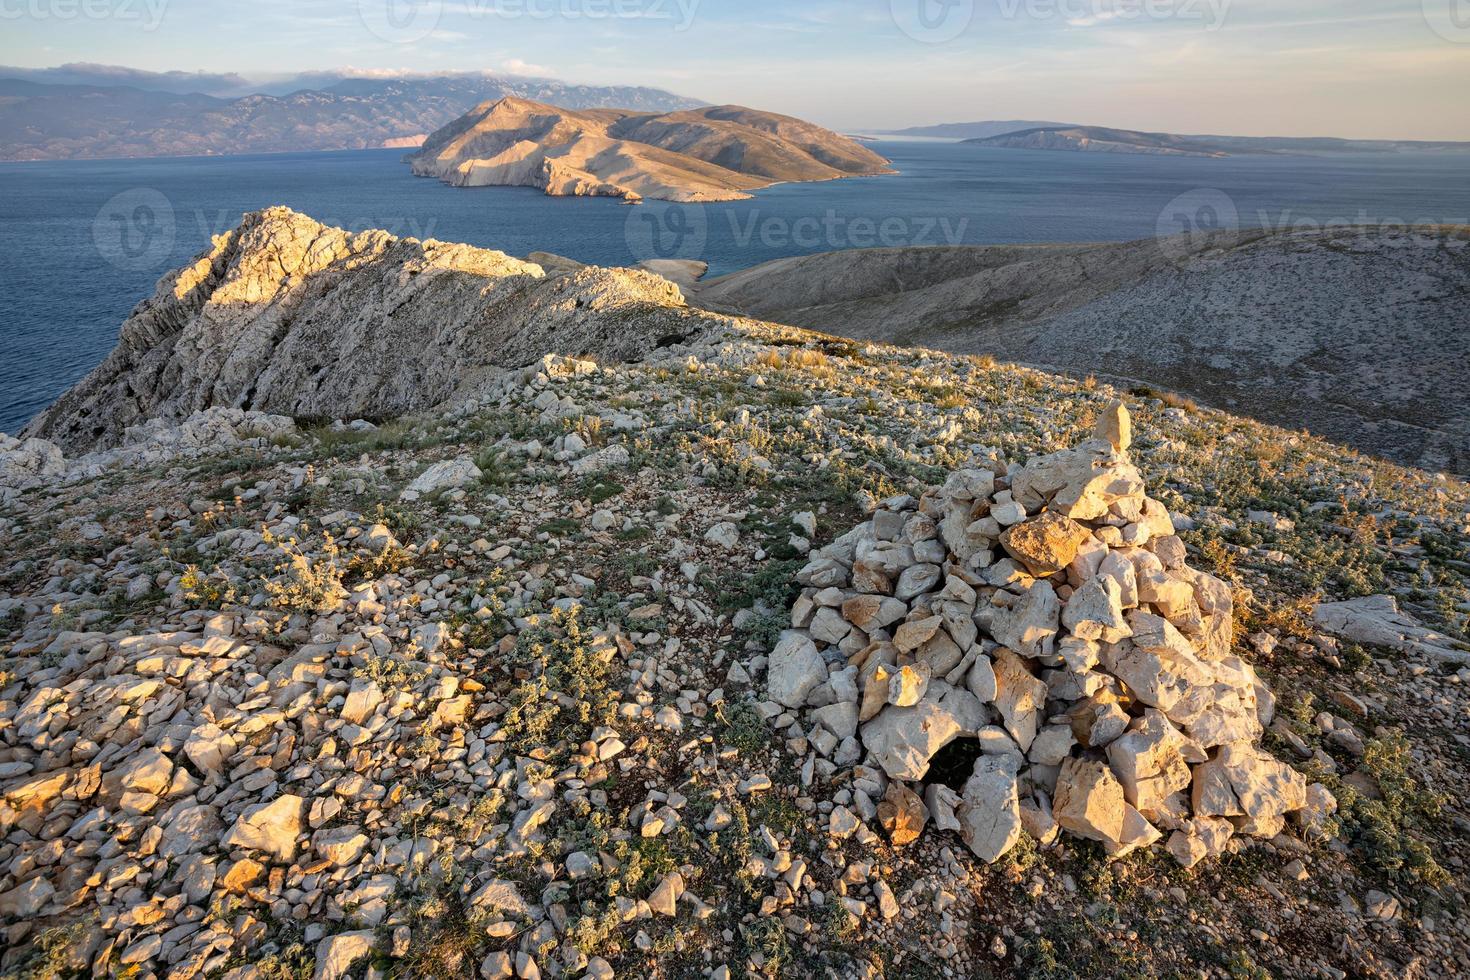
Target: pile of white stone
1042,615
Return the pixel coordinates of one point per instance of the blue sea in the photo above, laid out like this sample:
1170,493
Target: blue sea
81,242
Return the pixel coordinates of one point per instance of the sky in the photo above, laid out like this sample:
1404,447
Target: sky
1352,68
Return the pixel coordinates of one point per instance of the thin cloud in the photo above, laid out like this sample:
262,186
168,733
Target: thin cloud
516,66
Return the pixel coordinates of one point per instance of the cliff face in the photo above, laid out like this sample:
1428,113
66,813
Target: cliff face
701,155
1361,337
288,316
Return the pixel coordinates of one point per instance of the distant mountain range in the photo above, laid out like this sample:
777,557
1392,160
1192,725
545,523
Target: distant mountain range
1100,139
1036,135
92,111
111,76
970,130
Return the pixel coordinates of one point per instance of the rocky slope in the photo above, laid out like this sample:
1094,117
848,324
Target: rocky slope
49,121
284,315
1361,337
711,154
501,689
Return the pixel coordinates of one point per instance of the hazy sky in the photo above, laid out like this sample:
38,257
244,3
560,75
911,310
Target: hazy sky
1358,68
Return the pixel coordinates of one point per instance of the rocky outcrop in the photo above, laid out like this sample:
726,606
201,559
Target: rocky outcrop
1360,336
31,463
712,154
1054,632
1377,621
286,316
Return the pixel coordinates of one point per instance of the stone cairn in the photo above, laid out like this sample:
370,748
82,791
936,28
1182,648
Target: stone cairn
1044,617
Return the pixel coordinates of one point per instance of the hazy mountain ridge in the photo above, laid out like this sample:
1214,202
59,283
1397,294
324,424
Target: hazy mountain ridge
1362,338
41,121
1101,139
971,130
224,84
716,153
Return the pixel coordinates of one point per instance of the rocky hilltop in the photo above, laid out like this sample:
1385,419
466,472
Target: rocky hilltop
712,154
745,652
284,315
1359,336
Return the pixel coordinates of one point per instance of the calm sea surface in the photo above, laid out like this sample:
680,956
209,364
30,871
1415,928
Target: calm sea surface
82,242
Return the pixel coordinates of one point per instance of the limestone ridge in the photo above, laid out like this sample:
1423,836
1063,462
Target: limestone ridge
1044,613
718,153
287,316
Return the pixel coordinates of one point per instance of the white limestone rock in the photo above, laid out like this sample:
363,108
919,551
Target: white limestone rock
989,812
445,475
270,827
794,670
903,740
